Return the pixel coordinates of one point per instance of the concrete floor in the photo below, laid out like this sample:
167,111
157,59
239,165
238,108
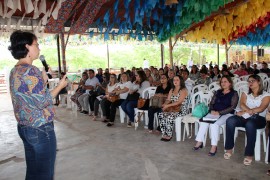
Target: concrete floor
88,150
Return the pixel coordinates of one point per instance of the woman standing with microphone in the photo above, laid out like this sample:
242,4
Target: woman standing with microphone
33,106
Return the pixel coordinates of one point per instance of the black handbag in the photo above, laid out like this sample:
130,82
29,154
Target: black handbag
133,97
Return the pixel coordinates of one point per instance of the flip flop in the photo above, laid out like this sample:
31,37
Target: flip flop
247,161
227,156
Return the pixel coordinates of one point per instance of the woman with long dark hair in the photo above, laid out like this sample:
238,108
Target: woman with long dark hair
251,116
162,91
139,85
178,96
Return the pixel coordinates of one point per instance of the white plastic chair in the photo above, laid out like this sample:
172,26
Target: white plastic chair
267,149
236,80
263,76
199,97
214,86
199,87
244,78
146,94
257,150
122,115
241,86
266,85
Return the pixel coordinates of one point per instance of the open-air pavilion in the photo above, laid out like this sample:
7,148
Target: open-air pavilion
87,149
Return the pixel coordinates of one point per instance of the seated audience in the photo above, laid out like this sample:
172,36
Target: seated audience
188,82
222,104
194,73
79,91
63,91
251,116
255,70
265,69
122,89
99,75
161,91
215,76
89,85
137,87
178,96
100,90
241,71
203,79
249,69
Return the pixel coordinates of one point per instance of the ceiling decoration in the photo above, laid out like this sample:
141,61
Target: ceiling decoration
224,28
25,12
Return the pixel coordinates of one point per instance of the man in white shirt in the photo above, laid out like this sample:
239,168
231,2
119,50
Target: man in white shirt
145,64
188,82
90,85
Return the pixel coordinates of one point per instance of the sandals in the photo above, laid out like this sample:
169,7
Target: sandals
227,156
268,172
247,161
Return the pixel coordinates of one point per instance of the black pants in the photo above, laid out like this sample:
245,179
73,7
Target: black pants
92,99
110,108
151,115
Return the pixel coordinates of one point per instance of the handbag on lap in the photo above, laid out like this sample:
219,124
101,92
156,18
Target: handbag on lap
157,101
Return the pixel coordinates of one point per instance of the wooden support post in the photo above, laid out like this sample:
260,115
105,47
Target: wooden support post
251,55
162,55
62,38
226,51
171,51
59,55
218,54
108,56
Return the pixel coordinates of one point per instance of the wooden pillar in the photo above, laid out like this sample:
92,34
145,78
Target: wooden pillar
226,52
108,56
162,55
218,54
63,47
257,54
171,51
59,55
200,59
251,55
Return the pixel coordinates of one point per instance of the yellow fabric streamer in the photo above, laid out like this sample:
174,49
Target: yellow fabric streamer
222,26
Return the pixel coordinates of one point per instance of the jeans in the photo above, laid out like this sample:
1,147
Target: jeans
151,114
128,108
250,124
40,151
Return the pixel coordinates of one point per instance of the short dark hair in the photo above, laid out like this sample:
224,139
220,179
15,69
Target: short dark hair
185,70
203,71
91,70
19,40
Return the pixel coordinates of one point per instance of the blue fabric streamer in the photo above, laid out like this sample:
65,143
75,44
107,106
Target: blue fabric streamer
260,37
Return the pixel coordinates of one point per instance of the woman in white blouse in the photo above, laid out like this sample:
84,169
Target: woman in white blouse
251,116
121,89
100,99
129,104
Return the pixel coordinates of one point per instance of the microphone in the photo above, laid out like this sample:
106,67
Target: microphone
42,59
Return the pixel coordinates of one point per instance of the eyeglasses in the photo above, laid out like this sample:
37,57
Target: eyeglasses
252,81
36,45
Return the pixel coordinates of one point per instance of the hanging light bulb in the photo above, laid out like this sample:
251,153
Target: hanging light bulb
171,2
